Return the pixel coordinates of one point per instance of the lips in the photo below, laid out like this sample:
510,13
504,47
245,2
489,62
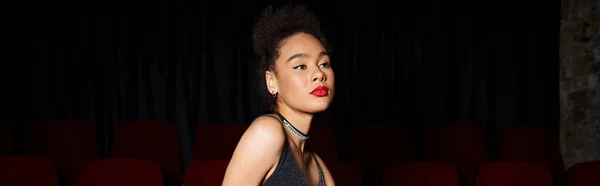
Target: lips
320,91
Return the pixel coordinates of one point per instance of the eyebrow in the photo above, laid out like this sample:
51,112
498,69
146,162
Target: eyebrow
303,55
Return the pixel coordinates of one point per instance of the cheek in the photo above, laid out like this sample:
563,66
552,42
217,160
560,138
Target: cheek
331,78
295,84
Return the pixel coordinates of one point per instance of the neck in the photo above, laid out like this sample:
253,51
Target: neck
300,121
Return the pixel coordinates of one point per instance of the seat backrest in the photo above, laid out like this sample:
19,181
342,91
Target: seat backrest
121,172
344,173
374,147
584,174
380,144
528,143
69,144
156,141
461,145
421,174
24,170
532,143
514,174
323,142
206,173
217,141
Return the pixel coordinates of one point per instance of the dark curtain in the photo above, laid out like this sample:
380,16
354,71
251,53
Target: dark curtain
413,63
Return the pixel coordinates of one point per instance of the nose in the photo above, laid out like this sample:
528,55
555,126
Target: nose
319,76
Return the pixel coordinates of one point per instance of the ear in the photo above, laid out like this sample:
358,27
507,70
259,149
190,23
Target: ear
271,82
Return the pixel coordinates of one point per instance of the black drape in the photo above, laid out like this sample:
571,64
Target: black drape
413,63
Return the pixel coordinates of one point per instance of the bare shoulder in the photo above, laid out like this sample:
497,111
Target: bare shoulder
256,153
265,128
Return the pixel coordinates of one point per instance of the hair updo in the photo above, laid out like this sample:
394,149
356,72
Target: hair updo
273,27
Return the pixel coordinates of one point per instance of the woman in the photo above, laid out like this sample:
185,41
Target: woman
298,82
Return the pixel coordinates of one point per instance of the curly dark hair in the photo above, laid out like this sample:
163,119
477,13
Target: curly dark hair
272,28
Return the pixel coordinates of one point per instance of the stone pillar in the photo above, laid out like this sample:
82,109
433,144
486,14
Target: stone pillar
579,81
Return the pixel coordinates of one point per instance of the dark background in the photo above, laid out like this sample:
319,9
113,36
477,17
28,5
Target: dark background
413,63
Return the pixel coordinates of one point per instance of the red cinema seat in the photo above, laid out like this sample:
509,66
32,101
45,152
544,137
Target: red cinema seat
69,144
156,141
322,141
461,145
514,174
217,141
121,172
27,171
532,143
206,173
375,147
421,174
344,173
584,174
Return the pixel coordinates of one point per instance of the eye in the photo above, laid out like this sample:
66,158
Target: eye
325,65
300,67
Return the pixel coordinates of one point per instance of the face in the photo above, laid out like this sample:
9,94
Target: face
303,79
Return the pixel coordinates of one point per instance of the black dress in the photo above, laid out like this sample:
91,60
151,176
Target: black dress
287,172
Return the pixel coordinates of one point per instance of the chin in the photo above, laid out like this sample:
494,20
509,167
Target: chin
318,107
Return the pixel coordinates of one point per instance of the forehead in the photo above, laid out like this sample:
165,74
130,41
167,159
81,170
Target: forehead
301,43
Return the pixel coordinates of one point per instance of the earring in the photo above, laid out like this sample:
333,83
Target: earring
274,95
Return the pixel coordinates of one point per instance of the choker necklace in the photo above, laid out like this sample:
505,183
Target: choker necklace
292,128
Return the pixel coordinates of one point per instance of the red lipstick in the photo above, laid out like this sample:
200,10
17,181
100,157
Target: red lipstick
320,91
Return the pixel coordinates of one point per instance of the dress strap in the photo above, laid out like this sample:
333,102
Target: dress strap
321,177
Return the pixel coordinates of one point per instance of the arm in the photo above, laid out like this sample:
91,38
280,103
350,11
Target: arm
256,153
326,174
